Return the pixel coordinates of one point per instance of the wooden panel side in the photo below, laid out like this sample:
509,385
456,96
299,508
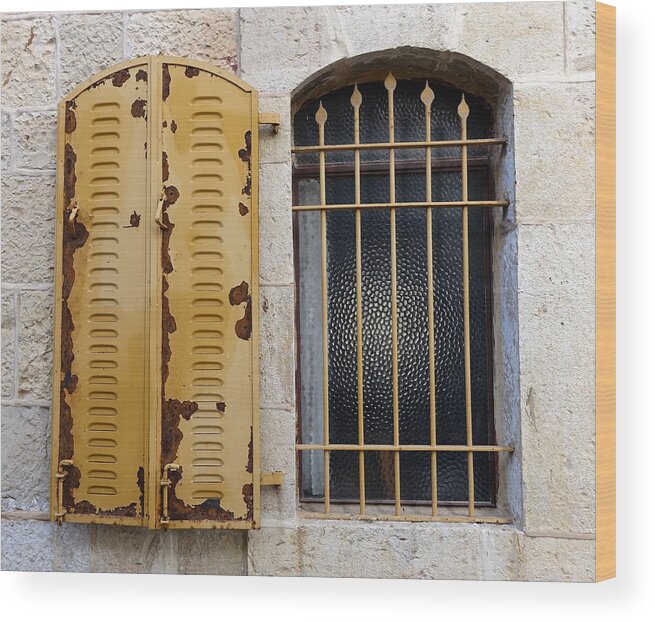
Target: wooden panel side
605,291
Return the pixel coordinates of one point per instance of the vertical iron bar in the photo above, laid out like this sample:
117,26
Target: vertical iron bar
390,85
463,112
427,97
356,102
321,118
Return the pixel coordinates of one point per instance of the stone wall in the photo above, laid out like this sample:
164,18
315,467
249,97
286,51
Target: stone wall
545,254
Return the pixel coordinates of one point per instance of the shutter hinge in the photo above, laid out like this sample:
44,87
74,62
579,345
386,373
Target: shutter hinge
165,485
270,118
62,471
275,478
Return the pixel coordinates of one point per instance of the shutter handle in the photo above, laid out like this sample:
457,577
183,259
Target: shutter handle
74,208
160,212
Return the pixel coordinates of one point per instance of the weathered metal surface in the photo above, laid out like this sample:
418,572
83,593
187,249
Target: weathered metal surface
208,131
156,359
101,301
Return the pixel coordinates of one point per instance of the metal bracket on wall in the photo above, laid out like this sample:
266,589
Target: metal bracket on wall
270,118
275,478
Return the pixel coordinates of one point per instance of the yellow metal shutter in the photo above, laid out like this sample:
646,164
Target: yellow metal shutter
156,403
101,301
208,129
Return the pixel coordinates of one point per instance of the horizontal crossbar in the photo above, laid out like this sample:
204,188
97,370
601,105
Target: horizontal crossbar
473,142
414,204
354,447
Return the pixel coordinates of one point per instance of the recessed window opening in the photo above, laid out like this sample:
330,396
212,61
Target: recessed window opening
392,200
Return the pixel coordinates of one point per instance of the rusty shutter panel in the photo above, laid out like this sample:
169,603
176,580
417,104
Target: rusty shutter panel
156,391
99,428
209,396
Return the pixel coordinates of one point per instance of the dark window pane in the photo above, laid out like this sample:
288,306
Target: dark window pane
412,287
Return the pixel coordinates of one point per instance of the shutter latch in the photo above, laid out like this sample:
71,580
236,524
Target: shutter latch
62,471
165,485
270,118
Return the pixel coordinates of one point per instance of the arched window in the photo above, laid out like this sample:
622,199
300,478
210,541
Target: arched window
392,200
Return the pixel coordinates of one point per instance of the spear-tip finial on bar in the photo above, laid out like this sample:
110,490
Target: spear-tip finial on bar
356,99
463,108
427,96
321,114
390,82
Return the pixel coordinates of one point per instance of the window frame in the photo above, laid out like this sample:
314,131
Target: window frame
477,163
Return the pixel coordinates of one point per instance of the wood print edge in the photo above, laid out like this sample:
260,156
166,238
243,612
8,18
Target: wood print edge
605,292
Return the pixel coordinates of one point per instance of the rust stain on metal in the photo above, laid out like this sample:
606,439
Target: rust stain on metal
70,123
191,72
245,155
172,194
139,108
142,74
120,77
173,126
239,295
246,491
249,465
140,482
164,166
243,208
165,82
135,220
70,179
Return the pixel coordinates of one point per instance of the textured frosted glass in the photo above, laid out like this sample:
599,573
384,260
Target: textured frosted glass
413,364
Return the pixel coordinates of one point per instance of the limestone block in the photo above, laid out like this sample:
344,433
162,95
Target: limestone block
5,163
515,39
209,35
72,547
557,358
25,458
373,550
556,559
27,545
28,208
132,550
35,134
35,344
8,349
275,224
276,346
28,62
275,147
581,35
555,152
500,548
361,29
280,47
278,441
88,43
211,551
42,546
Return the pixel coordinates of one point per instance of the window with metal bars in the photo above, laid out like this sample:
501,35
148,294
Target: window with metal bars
392,192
